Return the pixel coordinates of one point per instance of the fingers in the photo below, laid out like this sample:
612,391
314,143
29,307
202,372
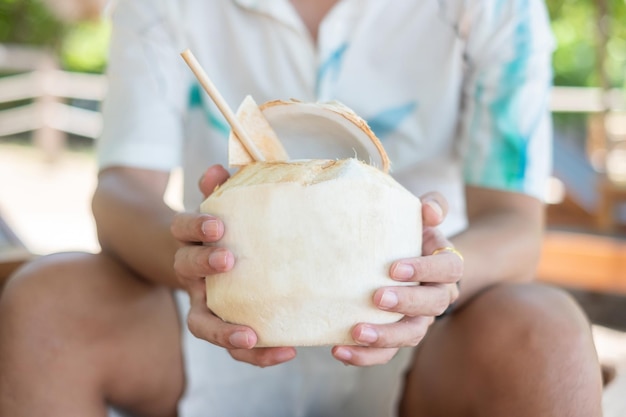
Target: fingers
214,176
434,208
378,344
404,333
423,300
418,304
239,340
433,239
444,267
363,356
194,262
194,227
264,356
205,325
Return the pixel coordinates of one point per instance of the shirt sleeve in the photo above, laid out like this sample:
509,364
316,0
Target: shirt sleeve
146,97
506,129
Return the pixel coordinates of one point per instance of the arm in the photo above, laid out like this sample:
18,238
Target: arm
503,241
133,222
141,140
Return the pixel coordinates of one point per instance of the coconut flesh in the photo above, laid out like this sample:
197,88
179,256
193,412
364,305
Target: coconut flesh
313,238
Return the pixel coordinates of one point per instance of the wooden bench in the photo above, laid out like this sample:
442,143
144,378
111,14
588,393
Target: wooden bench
13,253
611,196
584,261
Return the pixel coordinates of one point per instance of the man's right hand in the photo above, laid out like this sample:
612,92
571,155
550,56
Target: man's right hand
195,262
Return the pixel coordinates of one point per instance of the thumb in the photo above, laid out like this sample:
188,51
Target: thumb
214,176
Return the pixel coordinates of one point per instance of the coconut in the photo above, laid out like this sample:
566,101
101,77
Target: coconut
328,130
313,239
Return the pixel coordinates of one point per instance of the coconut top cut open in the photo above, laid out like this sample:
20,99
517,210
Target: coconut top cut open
306,131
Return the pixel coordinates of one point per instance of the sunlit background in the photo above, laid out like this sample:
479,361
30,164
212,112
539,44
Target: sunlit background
52,57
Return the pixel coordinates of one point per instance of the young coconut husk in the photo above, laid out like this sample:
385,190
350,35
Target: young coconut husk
312,239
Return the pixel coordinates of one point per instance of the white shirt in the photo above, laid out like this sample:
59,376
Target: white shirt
457,91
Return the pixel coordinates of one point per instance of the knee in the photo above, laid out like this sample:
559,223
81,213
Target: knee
41,276
533,315
44,293
531,328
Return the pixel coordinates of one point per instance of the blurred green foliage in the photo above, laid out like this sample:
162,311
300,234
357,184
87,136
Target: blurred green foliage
80,46
83,46
576,25
28,22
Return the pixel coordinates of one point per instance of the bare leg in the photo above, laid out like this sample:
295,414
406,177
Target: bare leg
514,350
78,331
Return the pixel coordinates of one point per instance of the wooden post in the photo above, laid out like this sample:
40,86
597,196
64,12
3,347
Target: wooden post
50,140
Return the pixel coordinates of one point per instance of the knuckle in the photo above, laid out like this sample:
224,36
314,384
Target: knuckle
178,261
359,359
422,334
174,228
429,233
410,303
193,325
241,356
198,326
256,357
263,359
416,334
201,262
180,278
415,339
198,226
456,269
420,267
441,304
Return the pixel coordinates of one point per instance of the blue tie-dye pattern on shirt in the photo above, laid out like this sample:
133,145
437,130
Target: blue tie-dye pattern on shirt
217,122
388,120
329,70
499,158
510,152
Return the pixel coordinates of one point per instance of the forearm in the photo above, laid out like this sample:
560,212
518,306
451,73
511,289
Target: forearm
502,244
133,223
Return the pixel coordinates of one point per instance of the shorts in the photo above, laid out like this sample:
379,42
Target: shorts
314,384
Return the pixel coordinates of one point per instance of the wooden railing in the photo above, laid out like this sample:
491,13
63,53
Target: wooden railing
587,100
37,81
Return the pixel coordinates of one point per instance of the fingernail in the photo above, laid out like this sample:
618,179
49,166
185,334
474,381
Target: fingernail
389,299
239,339
285,354
343,354
402,271
217,259
211,229
436,207
367,335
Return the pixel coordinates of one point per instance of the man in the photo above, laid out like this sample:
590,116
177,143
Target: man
456,90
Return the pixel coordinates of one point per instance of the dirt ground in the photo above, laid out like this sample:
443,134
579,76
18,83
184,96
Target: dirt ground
47,203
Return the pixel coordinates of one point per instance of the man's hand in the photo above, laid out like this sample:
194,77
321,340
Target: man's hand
195,261
437,276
